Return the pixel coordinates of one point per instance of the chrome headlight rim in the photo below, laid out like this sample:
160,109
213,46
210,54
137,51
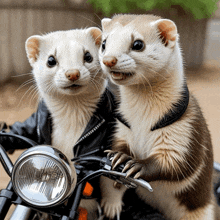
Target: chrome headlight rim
61,161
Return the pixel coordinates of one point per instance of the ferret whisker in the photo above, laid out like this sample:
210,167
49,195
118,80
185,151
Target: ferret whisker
96,73
90,21
147,82
165,77
142,83
152,70
94,67
97,16
95,84
30,88
25,74
168,73
24,84
98,37
35,94
50,88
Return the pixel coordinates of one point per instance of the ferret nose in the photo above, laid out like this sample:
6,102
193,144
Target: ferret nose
110,61
72,75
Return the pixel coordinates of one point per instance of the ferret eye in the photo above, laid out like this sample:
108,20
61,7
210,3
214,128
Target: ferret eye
138,45
88,57
103,45
51,62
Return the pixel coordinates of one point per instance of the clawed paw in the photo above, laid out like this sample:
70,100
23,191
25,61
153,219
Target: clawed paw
111,209
117,158
135,169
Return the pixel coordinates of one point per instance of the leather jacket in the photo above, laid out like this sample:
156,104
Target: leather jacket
38,127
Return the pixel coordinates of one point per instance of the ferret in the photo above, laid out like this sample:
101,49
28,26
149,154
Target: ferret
141,54
70,81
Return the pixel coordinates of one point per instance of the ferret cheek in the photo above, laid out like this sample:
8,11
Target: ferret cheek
41,68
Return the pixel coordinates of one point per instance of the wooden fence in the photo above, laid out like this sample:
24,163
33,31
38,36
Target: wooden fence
23,18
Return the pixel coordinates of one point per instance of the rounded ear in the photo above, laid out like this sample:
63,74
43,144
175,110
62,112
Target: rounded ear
168,32
96,34
105,22
32,48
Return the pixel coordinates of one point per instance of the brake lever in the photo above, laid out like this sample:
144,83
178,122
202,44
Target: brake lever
134,182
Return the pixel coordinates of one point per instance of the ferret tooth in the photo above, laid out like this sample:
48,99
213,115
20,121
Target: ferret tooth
117,75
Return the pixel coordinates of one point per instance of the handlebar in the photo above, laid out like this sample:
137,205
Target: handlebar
27,140
6,161
116,175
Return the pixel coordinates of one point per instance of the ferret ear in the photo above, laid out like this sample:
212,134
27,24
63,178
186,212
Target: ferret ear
168,32
32,48
105,22
96,34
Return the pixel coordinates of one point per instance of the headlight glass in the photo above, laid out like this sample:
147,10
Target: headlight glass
41,180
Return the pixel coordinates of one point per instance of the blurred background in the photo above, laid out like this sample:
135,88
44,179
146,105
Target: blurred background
198,22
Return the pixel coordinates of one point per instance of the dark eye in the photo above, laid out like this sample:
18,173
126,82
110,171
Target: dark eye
103,45
51,62
138,45
88,57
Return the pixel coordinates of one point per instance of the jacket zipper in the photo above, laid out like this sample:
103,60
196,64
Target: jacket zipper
90,132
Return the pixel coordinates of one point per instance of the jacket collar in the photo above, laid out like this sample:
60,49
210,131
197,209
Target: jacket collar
102,114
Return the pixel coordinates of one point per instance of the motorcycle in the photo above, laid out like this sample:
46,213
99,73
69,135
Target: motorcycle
46,185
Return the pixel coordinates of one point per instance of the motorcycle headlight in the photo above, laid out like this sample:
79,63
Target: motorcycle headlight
43,176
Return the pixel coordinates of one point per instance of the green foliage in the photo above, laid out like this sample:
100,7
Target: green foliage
198,8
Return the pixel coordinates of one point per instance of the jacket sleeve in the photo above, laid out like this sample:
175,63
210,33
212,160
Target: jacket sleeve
28,129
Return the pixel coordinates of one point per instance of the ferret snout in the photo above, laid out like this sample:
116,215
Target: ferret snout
110,61
72,75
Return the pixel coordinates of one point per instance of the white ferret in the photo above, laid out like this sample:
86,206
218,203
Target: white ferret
141,54
70,81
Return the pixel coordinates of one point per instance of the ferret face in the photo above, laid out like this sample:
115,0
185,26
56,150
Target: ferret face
65,62
135,48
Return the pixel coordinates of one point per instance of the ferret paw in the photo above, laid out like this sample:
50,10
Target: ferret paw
118,158
111,209
135,169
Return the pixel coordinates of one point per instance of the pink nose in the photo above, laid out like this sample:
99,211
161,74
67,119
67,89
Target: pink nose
72,75
110,61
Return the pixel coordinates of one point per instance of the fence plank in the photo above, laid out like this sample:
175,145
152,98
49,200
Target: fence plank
18,23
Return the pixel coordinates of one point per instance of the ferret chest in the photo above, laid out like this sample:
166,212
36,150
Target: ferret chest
64,139
67,129
138,139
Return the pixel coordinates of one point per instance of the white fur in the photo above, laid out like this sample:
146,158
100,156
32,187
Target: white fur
145,98
143,109
71,109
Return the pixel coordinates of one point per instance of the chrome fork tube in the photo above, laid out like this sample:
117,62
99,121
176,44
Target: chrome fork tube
22,213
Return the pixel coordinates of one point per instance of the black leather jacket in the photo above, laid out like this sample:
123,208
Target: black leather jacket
38,127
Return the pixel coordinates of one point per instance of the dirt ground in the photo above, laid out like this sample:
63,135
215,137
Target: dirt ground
17,102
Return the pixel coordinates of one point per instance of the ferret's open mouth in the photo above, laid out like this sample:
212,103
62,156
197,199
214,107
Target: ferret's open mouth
74,86
120,76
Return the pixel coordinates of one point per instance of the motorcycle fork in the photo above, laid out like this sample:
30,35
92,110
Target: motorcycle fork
73,203
5,200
